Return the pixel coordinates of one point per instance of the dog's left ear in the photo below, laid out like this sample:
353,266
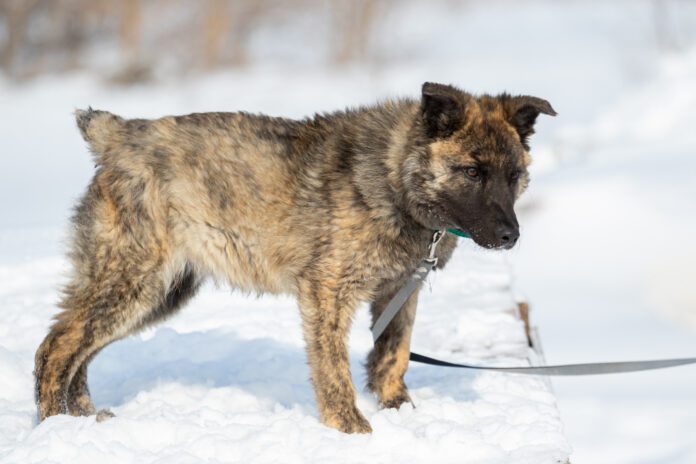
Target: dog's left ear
522,113
442,109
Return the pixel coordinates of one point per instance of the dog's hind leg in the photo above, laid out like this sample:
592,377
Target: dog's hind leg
79,400
388,360
181,289
103,311
124,278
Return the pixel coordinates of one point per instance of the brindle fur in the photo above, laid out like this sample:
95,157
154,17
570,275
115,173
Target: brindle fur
336,209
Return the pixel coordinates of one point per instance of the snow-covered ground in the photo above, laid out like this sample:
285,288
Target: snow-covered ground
606,261
607,258
226,381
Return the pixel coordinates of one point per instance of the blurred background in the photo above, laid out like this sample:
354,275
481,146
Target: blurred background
607,253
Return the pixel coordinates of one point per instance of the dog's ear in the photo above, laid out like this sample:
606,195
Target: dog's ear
522,113
442,110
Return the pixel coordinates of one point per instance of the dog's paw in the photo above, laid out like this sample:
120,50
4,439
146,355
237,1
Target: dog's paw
104,414
396,401
349,421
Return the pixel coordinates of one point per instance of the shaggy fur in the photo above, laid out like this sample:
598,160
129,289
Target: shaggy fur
336,209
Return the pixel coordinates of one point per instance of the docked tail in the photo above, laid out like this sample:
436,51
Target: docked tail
100,129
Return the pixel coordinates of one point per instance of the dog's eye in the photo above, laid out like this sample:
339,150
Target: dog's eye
472,172
515,175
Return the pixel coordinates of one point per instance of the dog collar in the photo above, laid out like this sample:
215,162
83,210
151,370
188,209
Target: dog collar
459,233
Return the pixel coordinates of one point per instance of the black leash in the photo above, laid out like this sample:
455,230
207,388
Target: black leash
566,369
421,274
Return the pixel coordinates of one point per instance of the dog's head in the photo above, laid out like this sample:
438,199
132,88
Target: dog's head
474,165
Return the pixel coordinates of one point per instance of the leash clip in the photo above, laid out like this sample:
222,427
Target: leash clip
437,236
432,259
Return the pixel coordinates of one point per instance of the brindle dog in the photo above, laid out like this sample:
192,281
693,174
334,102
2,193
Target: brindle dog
335,209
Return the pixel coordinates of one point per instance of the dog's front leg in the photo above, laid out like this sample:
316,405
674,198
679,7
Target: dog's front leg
327,311
388,360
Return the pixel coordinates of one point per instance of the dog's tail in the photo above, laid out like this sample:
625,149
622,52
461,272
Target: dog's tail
100,129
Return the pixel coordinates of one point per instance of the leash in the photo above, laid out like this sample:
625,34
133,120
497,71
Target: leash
421,273
411,285
567,369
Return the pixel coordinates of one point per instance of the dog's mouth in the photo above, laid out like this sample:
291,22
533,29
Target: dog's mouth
500,235
489,242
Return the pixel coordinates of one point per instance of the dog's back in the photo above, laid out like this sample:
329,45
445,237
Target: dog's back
221,190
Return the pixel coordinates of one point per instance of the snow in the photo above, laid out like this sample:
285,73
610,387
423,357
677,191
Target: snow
618,221
227,381
605,260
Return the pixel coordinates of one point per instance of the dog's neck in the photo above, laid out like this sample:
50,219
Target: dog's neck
375,143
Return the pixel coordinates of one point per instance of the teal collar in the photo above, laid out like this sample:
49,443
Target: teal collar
459,233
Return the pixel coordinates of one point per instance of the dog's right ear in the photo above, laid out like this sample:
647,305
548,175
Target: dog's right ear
522,112
441,110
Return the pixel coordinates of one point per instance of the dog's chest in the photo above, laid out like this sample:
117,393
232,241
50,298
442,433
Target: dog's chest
388,261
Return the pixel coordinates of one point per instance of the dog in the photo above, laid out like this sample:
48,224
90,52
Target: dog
336,209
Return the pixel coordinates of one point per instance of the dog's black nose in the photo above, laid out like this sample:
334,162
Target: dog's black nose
507,236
